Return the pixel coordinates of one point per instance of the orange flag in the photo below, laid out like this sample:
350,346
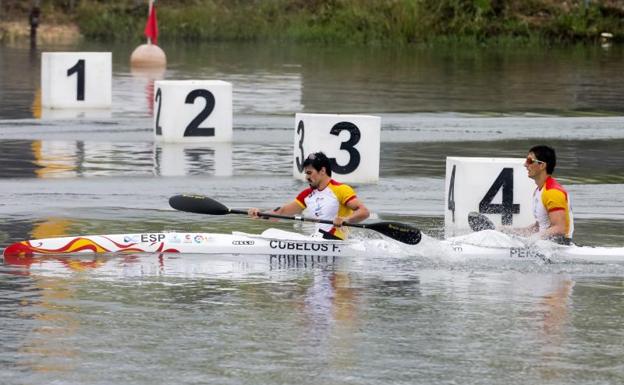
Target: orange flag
151,27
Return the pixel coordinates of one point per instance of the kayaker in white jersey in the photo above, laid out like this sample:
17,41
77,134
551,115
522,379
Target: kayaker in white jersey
324,199
551,202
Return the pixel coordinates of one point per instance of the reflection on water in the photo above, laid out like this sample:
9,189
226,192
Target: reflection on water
490,79
66,159
334,318
178,159
579,161
121,266
274,79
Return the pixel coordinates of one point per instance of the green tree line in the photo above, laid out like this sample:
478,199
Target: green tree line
371,22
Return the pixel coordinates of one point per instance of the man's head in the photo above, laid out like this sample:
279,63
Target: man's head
541,157
317,169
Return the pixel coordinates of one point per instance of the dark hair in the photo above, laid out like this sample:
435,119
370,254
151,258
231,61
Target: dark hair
318,160
547,155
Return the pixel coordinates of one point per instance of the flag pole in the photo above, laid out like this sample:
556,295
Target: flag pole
149,12
150,55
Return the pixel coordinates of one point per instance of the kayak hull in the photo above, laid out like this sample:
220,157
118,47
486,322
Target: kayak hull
275,242
551,254
493,244
486,244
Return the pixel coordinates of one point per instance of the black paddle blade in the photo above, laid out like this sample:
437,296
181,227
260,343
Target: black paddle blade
399,231
479,222
198,204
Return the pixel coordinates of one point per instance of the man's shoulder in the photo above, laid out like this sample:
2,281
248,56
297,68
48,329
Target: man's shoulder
343,192
303,194
552,184
553,192
335,185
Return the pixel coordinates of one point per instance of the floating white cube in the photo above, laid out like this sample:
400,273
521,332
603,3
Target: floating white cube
496,187
352,142
192,111
76,79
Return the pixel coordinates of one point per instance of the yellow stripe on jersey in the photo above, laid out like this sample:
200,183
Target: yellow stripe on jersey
344,193
555,197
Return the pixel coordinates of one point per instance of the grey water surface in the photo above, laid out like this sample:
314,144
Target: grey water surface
227,319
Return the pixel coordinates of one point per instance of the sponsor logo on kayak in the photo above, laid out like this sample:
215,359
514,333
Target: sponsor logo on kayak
243,243
152,237
131,239
188,238
523,252
303,246
199,239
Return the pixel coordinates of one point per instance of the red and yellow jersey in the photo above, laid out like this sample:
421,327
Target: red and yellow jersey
552,197
327,204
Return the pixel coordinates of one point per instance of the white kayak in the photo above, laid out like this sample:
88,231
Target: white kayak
270,242
486,244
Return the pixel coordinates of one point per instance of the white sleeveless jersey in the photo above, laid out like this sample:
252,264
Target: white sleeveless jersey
327,204
552,197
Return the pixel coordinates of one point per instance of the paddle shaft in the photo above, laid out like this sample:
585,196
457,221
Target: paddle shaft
298,218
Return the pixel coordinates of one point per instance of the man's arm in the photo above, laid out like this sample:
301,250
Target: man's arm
557,224
521,231
557,227
360,213
290,208
555,202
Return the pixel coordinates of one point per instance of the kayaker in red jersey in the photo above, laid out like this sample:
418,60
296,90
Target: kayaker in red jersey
551,202
324,199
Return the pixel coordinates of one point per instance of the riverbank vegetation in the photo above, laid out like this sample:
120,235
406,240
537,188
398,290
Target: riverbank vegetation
371,22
